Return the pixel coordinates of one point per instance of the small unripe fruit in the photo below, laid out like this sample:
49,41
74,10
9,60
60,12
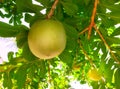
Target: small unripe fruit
94,75
47,39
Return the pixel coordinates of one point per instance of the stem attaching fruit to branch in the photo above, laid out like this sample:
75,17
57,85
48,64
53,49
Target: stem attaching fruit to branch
49,77
50,14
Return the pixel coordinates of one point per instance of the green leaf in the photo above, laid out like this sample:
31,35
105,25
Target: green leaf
71,44
7,82
27,6
7,30
68,55
31,19
10,56
103,48
70,8
71,31
44,2
102,86
106,69
35,85
27,54
103,31
113,40
21,38
115,16
67,58
21,75
108,72
106,22
12,72
28,17
95,85
114,8
32,70
59,12
116,32
72,37
1,14
117,78
87,1
42,67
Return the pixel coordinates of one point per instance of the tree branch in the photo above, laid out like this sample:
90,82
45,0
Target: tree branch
52,9
89,28
83,31
86,55
95,27
49,76
92,18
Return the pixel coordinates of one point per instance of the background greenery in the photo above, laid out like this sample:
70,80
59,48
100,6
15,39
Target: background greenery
27,72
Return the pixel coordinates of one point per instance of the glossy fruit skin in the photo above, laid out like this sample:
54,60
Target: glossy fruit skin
94,75
47,39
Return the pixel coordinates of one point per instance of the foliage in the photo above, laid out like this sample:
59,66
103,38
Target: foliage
101,50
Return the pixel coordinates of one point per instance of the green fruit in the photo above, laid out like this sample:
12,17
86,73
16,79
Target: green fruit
94,75
47,39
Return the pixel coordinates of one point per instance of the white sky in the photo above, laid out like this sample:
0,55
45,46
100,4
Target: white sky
7,45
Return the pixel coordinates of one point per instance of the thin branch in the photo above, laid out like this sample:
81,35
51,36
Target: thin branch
83,31
49,77
95,27
86,55
92,18
89,28
52,9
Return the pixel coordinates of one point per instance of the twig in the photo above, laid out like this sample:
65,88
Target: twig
83,31
86,55
52,9
92,18
89,28
49,77
95,27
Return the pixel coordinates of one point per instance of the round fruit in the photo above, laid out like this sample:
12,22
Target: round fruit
94,75
47,39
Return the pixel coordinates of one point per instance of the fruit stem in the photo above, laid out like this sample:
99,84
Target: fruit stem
49,77
50,14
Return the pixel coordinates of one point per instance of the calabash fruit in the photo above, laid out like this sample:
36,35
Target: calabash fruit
94,75
47,39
